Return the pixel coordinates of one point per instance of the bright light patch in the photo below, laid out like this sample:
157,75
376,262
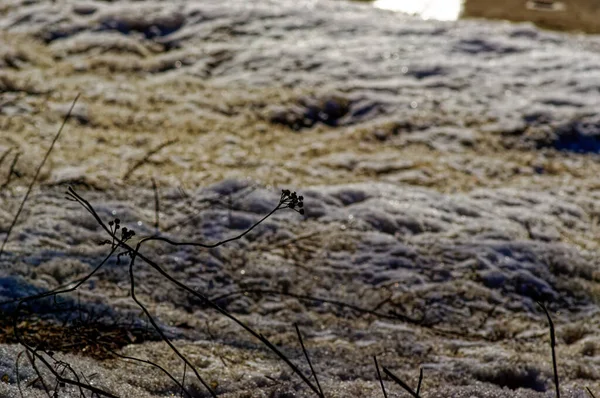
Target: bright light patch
444,10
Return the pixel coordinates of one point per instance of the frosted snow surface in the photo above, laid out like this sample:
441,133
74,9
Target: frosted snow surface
443,261
448,169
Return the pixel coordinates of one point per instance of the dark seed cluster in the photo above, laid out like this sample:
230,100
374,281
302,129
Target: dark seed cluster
292,200
114,226
126,234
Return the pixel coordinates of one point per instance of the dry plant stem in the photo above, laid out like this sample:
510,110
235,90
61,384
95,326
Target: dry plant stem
37,173
552,346
590,392
162,335
5,154
11,171
33,354
341,304
61,379
166,372
135,253
379,377
32,351
213,245
400,382
145,159
40,377
382,302
183,379
87,381
312,370
296,239
156,207
66,366
209,202
420,381
62,289
17,373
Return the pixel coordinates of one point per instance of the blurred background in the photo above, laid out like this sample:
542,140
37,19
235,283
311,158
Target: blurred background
575,15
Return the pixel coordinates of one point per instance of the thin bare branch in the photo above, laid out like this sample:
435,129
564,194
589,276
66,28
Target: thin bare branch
420,381
379,377
156,207
312,370
147,157
11,171
400,382
552,346
590,392
35,177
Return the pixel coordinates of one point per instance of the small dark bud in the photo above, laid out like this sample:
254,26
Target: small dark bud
110,223
117,221
301,211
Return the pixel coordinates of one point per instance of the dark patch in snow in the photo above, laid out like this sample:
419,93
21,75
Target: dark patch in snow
513,377
477,46
580,135
310,111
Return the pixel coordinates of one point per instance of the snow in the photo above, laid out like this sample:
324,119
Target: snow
448,169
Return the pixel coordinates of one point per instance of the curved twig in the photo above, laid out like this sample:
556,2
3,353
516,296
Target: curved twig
134,252
162,335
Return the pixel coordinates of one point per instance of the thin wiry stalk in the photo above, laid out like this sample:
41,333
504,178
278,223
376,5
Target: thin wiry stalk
40,377
183,379
400,382
590,392
67,366
341,304
420,380
166,372
17,373
552,346
11,171
296,370
157,328
5,154
62,289
308,298
33,352
145,159
87,206
285,202
312,370
87,381
65,380
37,173
156,207
222,311
379,377
135,253
209,202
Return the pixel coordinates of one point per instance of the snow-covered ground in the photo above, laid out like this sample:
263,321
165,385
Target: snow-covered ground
449,174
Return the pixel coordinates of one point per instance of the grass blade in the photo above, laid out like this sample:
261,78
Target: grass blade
37,173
